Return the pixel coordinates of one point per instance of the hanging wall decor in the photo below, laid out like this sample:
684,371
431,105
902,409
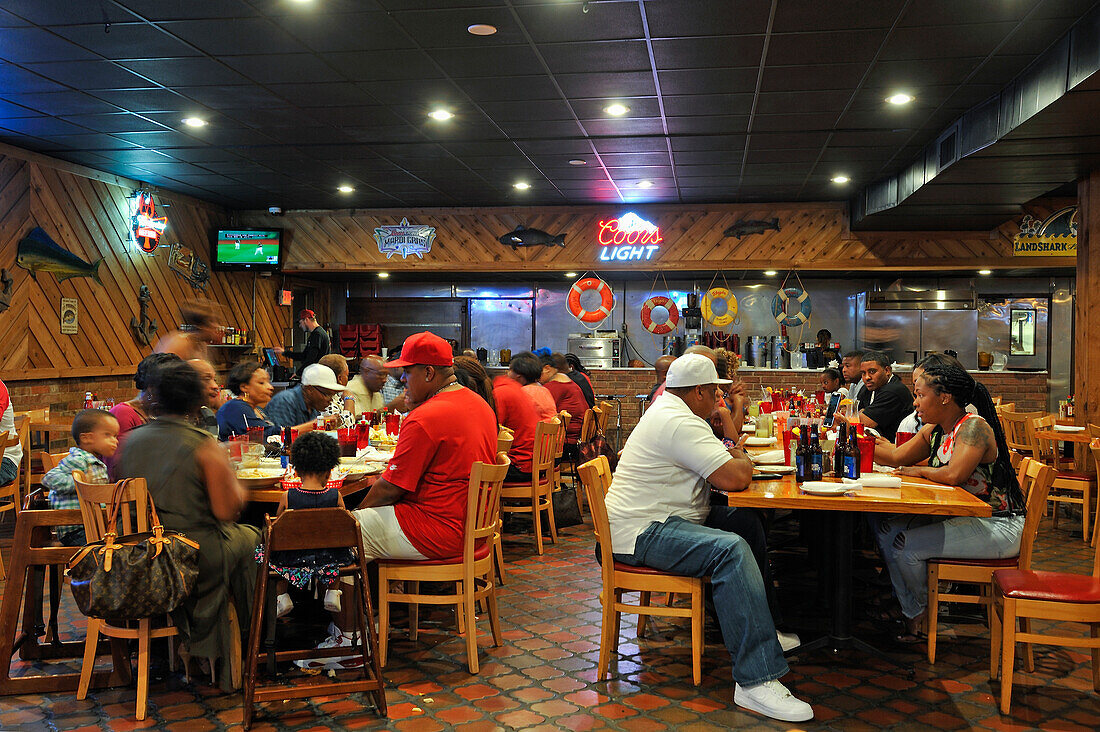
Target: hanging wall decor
37,252
184,262
145,328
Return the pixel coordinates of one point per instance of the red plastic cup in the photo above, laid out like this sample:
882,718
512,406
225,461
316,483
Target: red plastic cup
866,454
819,395
777,400
902,437
349,441
765,408
362,435
256,435
788,438
859,429
393,423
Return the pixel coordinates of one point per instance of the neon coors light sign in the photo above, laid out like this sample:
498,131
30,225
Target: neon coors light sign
628,238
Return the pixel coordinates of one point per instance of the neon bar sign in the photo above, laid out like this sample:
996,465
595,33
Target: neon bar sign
147,225
628,238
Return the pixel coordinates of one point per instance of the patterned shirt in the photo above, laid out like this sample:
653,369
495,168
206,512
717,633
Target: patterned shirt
392,389
59,482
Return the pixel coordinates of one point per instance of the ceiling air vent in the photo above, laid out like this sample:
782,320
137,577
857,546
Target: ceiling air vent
922,300
947,147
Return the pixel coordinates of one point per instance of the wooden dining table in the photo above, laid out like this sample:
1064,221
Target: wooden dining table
1076,438
914,496
275,493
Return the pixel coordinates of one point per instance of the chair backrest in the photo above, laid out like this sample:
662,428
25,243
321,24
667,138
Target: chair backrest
95,507
313,528
596,478
549,434
1016,426
1094,430
564,417
996,401
483,505
11,439
588,427
1039,478
504,440
605,408
50,460
1042,449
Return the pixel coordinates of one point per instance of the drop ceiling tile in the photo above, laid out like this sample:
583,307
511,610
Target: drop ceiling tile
639,107
172,72
42,126
673,18
611,85
126,40
30,45
708,125
160,10
13,108
346,31
706,158
913,44
533,109
14,79
235,36
144,100
160,138
61,103
834,47
536,129
575,146
564,22
117,122
445,27
230,97
708,81
817,17
708,53
271,68
631,145
87,75
687,105
812,77
466,63
434,91
607,56
382,65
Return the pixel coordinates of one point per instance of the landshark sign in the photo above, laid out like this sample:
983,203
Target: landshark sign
404,239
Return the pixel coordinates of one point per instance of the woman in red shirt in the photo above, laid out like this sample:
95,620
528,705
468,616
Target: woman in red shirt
567,396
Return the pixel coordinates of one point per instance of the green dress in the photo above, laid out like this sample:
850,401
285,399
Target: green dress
163,452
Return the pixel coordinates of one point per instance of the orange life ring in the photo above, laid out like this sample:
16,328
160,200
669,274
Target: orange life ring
647,315
607,300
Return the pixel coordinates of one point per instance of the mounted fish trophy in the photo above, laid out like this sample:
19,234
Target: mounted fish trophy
146,328
38,252
521,236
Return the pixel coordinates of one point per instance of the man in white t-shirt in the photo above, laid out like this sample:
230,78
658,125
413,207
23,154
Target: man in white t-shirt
660,515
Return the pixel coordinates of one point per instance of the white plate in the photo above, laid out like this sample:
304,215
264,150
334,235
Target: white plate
1067,428
772,457
821,488
748,429
776,469
759,441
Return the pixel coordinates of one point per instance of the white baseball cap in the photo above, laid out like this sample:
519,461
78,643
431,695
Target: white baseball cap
694,369
320,376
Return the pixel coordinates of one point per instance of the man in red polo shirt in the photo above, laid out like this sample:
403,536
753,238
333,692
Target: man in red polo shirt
417,509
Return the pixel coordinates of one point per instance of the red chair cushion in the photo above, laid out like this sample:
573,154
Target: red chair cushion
1020,584
1070,475
480,552
519,484
1006,562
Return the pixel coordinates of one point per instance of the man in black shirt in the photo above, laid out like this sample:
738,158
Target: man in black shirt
884,401
317,343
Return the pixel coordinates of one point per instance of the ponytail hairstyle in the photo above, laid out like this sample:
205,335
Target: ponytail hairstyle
471,374
947,376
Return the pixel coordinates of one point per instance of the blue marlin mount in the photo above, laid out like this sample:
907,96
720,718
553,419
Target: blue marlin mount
37,252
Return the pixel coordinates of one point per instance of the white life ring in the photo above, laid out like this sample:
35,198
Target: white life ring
782,302
607,300
716,294
647,315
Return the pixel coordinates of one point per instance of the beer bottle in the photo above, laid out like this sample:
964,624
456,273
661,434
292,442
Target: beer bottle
802,456
817,466
838,453
284,451
852,455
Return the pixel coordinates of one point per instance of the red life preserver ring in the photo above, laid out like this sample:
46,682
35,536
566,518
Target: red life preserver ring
647,318
607,300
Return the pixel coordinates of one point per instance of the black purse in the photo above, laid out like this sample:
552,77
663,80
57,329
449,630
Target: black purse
134,576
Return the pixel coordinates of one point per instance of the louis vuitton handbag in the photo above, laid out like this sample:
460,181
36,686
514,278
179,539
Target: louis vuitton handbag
133,576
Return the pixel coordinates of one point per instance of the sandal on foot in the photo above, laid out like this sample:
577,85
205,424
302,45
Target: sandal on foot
911,639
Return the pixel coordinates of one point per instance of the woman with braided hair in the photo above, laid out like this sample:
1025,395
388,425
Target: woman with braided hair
962,449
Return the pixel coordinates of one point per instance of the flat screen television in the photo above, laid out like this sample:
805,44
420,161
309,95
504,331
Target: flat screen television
247,249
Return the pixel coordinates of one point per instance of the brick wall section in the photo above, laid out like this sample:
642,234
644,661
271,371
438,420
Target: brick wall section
1028,391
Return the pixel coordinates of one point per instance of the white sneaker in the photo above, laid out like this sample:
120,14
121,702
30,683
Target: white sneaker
339,640
772,699
283,605
787,641
332,600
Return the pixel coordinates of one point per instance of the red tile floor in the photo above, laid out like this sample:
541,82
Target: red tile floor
544,675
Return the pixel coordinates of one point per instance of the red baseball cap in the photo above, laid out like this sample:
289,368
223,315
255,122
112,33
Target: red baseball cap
426,349
306,313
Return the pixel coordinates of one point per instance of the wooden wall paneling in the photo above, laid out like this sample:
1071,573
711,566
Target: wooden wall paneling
1087,313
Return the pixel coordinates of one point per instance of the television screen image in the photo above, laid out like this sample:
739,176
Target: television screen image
247,248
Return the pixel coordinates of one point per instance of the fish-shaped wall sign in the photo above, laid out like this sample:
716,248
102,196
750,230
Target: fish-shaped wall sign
521,236
37,252
746,227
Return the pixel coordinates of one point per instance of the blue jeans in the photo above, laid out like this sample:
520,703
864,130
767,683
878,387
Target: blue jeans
8,471
695,550
908,542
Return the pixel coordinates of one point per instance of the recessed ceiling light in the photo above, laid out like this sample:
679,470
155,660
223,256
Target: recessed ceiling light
481,29
616,110
645,184
345,189
578,161
840,179
440,114
985,271
570,274
899,98
194,121
383,275
770,273
521,185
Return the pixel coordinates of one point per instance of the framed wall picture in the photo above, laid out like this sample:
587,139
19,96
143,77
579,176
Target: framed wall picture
69,316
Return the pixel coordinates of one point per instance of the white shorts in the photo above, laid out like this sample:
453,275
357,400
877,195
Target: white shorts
382,535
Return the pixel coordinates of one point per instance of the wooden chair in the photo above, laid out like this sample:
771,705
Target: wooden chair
1017,429
1060,597
504,444
1005,407
1094,448
996,401
559,449
9,493
95,506
37,416
536,492
1094,430
320,528
50,460
589,424
1069,486
619,578
472,573
1035,479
